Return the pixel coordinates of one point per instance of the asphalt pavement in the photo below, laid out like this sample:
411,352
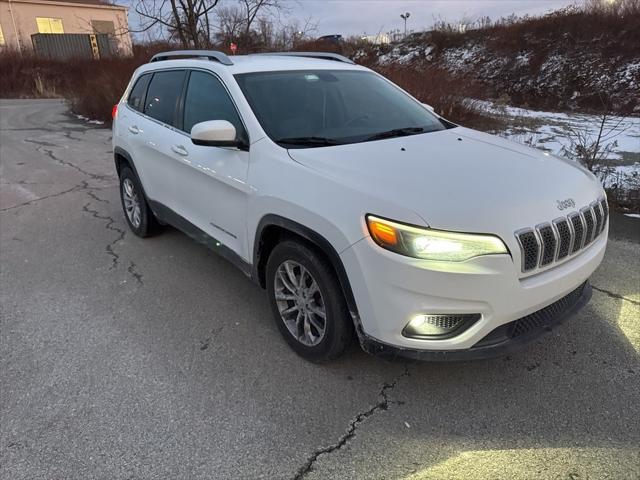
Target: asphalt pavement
124,358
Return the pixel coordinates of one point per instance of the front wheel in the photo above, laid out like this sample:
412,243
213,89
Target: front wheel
307,302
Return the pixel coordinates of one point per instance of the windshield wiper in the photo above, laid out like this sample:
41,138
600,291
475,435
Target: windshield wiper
396,132
309,141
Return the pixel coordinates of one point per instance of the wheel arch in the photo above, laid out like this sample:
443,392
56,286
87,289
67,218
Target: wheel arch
273,228
122,158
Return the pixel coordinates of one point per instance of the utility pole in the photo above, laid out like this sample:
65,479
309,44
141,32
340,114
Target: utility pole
15,30
405,16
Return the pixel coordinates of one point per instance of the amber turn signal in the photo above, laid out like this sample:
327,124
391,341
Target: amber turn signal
381,232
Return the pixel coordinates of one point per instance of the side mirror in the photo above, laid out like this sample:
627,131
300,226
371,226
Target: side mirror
429,107
215,133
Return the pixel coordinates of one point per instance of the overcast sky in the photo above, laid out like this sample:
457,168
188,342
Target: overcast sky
355,17
350,17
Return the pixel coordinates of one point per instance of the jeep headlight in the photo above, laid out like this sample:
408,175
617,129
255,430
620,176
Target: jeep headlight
432,244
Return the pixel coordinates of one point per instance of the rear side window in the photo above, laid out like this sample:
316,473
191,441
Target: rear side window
163,94
207,99
138,92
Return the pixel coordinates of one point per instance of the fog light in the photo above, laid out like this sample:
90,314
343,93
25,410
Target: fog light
439,326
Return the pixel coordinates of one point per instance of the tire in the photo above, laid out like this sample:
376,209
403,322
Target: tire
296,310
142,222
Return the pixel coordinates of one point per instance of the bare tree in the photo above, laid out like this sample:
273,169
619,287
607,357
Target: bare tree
297,31
252,8
186,20
230,21
250,23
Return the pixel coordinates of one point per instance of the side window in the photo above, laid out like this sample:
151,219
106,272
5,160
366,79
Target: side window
49,25
138,92
207,99
164,91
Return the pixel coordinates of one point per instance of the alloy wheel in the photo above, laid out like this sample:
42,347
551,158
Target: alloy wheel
300,303
131,201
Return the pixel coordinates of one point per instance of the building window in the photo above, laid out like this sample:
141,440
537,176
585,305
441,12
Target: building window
103,26
49,25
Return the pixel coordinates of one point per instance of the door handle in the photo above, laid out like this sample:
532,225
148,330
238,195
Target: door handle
180,150
134,129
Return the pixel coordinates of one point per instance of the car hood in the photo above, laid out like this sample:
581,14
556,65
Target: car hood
459,179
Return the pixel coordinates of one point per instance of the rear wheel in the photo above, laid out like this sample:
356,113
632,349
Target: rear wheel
139,216
307,302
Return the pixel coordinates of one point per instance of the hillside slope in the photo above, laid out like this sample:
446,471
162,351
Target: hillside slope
571,59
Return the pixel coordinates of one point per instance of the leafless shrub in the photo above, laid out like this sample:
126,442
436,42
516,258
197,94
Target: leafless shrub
593,150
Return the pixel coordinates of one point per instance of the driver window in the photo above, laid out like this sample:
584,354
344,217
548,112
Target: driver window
207,99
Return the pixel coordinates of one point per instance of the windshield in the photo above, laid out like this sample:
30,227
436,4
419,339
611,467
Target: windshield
302,109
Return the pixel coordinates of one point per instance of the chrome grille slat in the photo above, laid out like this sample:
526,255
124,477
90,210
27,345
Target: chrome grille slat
530,248
552,242
605,210
578,231
565,237
589,223
549,243
597,210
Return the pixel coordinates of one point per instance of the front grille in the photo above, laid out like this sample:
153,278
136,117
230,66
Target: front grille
565,236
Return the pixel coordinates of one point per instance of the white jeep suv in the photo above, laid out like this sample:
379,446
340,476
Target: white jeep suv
357,208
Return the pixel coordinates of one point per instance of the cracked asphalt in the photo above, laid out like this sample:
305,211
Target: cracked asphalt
123,358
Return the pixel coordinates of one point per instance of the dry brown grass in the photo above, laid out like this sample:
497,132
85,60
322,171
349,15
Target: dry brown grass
94,86
573,26
91,86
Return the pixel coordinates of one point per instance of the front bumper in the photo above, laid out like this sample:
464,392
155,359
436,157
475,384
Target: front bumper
504,339
390,289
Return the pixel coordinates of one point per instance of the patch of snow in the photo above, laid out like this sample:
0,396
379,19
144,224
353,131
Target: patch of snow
88,120
406,54
462,59
552,131
630,74
523,59
408,57
632,215
624,176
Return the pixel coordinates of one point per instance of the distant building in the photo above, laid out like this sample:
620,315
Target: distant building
379,39
19,19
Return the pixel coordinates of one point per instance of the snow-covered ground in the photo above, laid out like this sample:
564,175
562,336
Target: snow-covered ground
555,133
88,120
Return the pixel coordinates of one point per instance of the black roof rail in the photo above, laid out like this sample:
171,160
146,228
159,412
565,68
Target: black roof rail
321,55
209,54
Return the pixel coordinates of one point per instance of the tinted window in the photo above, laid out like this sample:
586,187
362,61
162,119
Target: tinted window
207,99
136,97
314,108
163,94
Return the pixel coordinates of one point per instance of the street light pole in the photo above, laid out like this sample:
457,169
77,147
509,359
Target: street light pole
405,16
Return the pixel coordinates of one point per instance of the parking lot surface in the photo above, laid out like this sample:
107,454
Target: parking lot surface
124,358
